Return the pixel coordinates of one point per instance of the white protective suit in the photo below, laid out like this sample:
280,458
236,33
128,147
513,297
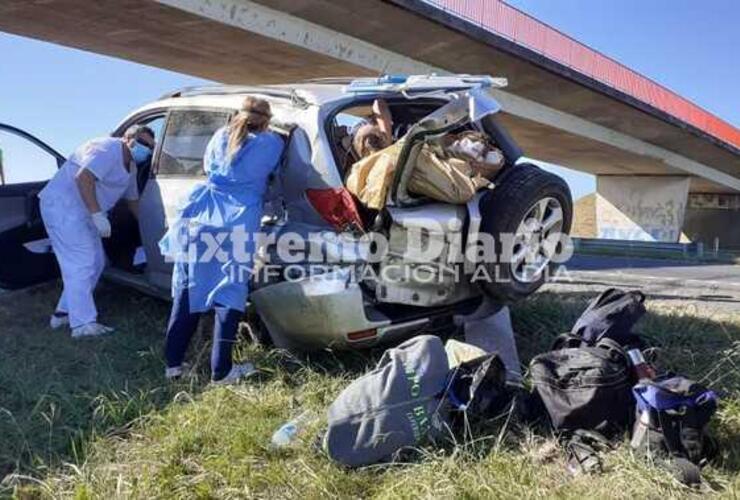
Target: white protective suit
76,242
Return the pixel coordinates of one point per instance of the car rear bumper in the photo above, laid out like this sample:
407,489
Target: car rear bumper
330,311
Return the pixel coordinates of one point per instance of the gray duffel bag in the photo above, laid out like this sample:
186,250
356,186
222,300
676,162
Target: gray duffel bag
395,406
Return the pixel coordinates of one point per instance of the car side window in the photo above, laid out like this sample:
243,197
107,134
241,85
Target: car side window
185,139
21,160
156,124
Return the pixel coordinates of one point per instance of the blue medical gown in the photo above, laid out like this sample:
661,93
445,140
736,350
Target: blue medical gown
231,200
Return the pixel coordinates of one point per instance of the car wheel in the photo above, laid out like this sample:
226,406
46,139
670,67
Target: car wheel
525,213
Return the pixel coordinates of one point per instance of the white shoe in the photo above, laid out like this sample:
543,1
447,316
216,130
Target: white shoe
171,373
91,330
236,373
58,320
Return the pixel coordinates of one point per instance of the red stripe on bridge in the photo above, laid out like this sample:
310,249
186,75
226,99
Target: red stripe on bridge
522,29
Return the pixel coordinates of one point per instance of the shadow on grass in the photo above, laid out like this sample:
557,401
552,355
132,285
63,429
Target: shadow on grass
57,395
699,347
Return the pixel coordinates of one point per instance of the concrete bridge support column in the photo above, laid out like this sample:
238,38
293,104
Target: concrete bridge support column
646,208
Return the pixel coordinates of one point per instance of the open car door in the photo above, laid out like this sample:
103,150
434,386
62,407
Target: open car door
26,164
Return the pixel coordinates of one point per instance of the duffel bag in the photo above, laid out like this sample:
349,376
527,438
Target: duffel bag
395,406
585,387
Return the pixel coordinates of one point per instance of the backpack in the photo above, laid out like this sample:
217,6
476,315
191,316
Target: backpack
584,386
612,315
395,406
672,417
411,397
585,381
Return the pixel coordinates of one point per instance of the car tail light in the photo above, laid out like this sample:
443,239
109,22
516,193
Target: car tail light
336,206
362,335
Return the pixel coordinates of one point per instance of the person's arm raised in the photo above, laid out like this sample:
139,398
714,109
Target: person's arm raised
383,118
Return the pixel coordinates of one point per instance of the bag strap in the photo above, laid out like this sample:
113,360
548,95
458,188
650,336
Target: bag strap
566,341
613,346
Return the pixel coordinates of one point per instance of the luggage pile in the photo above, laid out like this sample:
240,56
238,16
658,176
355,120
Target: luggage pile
450,171
593,387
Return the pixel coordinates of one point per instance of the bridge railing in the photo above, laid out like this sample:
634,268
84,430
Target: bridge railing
504,20
642,248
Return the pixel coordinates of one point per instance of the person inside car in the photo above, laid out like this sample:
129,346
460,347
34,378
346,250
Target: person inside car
376,133
74,206
238,161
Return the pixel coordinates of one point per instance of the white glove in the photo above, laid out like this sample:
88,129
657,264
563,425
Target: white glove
102,224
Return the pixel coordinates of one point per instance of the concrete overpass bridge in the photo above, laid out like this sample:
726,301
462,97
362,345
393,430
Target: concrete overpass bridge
663,164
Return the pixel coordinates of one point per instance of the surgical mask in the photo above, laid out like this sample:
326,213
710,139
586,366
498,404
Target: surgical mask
140,153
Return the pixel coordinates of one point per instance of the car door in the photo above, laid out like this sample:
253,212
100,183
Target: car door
176,168
123,246
26,164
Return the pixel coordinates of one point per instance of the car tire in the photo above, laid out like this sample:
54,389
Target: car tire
524,196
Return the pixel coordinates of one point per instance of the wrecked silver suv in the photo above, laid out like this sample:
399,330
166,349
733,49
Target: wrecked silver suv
330,272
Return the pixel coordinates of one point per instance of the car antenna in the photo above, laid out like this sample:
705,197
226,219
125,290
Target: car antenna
384,71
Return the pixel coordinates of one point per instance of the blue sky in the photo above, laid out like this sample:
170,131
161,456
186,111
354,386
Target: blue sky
66,96
690,46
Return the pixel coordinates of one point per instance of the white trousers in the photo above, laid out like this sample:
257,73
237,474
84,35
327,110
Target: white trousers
79,251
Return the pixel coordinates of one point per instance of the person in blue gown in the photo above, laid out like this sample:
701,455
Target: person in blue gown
212,241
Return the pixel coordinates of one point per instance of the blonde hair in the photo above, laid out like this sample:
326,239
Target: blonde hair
254,117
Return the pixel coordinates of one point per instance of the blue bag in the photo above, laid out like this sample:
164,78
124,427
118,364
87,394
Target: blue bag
672,417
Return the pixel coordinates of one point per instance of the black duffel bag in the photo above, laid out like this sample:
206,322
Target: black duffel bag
585,386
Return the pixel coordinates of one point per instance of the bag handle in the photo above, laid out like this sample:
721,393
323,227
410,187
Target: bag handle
613,346
566,341
702,398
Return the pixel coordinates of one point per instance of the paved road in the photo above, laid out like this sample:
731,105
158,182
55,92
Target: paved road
709,290
722,275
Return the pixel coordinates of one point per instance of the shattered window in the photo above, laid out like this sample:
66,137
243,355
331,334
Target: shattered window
186,137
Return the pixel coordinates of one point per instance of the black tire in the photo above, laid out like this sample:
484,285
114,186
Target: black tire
503,209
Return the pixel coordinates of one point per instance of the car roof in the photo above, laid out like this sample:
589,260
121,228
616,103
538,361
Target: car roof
316,92
323,90
311,93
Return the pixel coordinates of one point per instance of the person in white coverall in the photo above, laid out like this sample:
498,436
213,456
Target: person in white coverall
74,206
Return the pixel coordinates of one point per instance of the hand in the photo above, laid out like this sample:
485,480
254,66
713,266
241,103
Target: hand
102,224
380,107
383,118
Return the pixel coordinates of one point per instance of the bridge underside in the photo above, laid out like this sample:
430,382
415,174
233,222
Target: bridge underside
238,41
646,162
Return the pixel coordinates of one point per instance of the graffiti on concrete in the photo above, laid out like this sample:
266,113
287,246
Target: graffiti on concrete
641,208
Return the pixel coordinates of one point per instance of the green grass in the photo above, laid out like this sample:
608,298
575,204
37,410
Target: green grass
94,418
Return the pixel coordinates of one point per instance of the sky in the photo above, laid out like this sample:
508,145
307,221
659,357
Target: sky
691,47
66,96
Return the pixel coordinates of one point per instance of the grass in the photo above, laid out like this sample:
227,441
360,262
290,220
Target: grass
94,419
